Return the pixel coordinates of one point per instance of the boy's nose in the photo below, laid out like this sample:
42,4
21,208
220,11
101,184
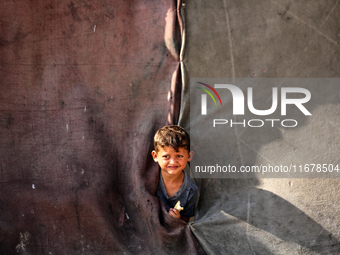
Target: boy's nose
172,160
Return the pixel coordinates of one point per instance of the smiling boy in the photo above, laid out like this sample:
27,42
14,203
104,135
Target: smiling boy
172,152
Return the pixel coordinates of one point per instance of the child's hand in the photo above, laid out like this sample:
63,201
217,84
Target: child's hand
175,213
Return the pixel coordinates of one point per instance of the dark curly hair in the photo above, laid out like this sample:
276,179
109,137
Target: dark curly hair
173,136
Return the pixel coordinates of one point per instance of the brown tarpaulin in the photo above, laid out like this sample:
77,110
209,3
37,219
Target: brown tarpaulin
84,86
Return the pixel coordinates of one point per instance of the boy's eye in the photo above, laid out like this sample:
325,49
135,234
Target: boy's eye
166,156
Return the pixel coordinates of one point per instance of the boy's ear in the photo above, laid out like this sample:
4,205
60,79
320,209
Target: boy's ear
154,155
191,154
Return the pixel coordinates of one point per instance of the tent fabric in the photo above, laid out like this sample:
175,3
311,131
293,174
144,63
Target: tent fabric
268,39
84,87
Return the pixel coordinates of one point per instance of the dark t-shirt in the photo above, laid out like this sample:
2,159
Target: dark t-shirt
187,194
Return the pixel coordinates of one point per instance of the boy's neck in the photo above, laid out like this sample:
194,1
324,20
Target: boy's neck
172,178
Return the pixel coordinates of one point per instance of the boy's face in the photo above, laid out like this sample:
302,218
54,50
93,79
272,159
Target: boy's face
172,161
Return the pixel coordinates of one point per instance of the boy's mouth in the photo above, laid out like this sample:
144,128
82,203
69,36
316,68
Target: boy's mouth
172,167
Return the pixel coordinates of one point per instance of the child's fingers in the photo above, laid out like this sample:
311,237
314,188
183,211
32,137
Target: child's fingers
175,210
175,213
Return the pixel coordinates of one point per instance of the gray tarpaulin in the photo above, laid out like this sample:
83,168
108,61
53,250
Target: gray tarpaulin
268,39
